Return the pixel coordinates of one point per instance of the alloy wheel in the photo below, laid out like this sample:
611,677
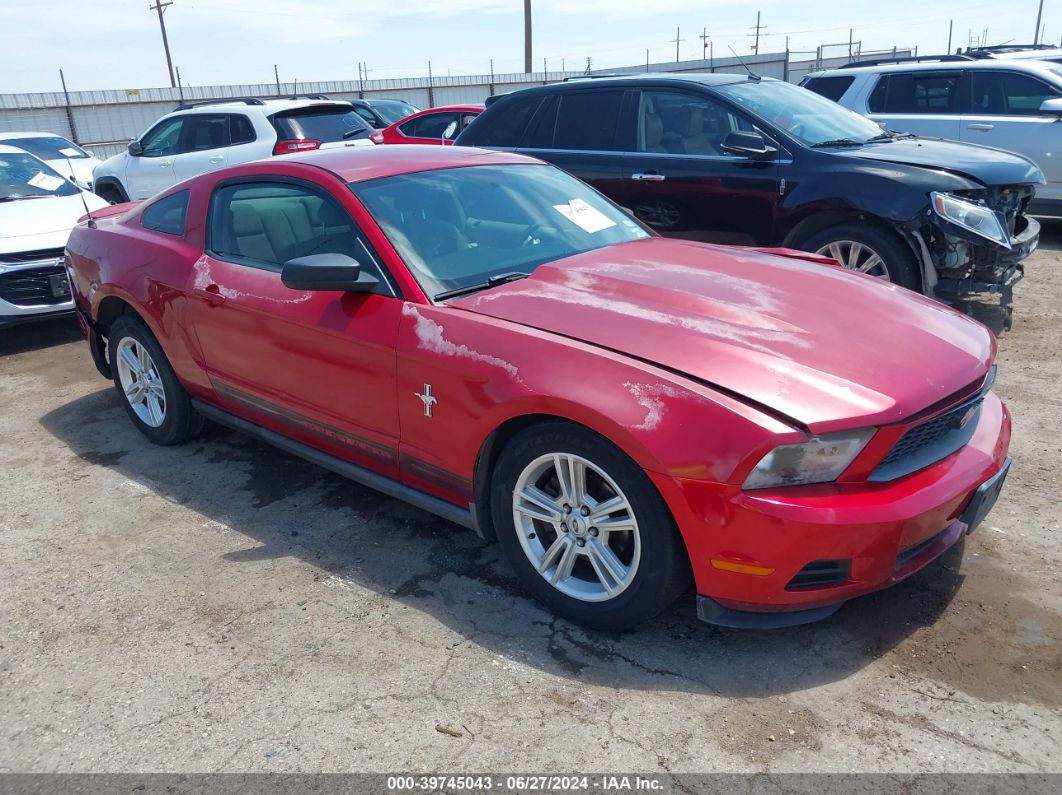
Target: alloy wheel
576,527
141,382
857,257
659,214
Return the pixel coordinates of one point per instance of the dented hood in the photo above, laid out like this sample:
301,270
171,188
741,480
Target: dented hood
825,347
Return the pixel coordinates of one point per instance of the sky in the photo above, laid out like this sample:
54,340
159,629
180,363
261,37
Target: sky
117,44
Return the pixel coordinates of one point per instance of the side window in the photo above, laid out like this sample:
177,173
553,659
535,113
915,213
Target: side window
1007,94
166,215
431,126
684,124
502,124
366,114
916,92
265,224
831,87
204,131
588,120
163,139
241,131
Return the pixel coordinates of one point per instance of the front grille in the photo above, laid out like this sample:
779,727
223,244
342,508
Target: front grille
22,257
33,286
935,430
821,574
916,549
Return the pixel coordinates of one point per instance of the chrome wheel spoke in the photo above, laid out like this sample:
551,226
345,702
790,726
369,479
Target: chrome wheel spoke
600,511
131,359
146,365
140,382
134,393
855,251
567,561
571,475
609,569
535,503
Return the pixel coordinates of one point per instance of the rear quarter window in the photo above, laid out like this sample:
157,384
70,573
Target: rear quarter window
831,87
502,123
167,215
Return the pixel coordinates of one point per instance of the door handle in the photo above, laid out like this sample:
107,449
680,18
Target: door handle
648,177
211,294
980,126
217,159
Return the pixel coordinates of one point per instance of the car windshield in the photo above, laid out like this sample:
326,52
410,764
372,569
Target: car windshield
24,177
50,147
460,227
805,115
393,109
326,124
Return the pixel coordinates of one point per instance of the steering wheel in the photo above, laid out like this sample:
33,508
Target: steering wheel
529,238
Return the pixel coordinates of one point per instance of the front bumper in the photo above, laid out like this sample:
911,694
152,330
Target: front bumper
33,289
991,270
884,532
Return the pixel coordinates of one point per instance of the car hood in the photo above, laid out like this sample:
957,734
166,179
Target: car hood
826,348
980,163
32,224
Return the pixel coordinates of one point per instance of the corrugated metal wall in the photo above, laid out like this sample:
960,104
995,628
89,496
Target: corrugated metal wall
104,121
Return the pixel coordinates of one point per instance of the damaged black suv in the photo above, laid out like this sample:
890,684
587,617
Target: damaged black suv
740,159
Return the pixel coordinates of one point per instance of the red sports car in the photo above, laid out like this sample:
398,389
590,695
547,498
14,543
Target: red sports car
432,126
485,336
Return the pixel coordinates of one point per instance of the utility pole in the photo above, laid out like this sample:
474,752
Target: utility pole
1039,13
161,7
950,23
276,76
704,42
527,36
757,27
677,39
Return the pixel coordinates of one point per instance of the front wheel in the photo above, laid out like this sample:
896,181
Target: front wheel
584,528
867,249
153,397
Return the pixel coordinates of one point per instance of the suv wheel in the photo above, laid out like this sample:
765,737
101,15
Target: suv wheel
867,249
660,214
109,193
584,528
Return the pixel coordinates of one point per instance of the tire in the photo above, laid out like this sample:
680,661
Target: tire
110,193
660,214
569,547
896,262
163,412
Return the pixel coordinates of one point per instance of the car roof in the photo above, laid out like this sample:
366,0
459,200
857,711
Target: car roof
703,78
1010,64
358,164
267,105
470,108
7,136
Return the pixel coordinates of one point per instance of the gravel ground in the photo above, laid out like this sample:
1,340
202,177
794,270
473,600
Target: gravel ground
225,607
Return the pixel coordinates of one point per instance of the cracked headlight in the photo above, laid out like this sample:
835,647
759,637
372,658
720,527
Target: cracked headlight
976,218
818,460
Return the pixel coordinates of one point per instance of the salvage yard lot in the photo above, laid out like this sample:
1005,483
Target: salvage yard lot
223,606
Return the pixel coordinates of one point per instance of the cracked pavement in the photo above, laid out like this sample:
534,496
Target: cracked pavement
225,607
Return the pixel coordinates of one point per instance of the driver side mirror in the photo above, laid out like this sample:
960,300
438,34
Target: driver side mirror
448,133
136,149
747,144
327,272
1051,107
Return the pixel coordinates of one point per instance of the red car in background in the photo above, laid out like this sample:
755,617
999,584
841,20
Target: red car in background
488,338
430,126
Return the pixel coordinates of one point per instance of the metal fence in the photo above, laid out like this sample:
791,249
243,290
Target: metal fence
104,121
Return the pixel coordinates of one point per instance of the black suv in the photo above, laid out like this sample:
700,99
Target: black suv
742,159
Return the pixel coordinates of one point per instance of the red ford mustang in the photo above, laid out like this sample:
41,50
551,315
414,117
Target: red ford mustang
488,338
432,126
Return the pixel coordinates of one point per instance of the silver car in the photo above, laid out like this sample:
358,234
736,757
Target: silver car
1012,104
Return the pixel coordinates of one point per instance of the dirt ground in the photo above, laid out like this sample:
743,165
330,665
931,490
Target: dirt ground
225,607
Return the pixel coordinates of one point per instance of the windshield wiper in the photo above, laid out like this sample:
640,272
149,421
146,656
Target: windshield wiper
352,133
493,281
837,142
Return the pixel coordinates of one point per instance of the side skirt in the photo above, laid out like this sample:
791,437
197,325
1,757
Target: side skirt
426,502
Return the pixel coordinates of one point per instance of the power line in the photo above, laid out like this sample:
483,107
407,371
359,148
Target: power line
161,7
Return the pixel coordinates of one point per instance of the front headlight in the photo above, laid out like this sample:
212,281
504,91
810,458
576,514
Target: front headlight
972,217
818,460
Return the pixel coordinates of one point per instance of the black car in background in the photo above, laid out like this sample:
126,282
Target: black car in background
738,158
380,113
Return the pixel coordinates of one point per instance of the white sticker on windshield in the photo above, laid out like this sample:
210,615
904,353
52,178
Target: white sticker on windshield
44,181
587,218
68,152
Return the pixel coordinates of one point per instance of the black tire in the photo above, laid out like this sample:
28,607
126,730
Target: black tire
110,193
662,571
180,422
896,255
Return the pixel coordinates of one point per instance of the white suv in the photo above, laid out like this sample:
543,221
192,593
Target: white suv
1013,104
202,136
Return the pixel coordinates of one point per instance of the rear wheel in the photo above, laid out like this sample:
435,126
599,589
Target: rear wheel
153,397
867,249
584,528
